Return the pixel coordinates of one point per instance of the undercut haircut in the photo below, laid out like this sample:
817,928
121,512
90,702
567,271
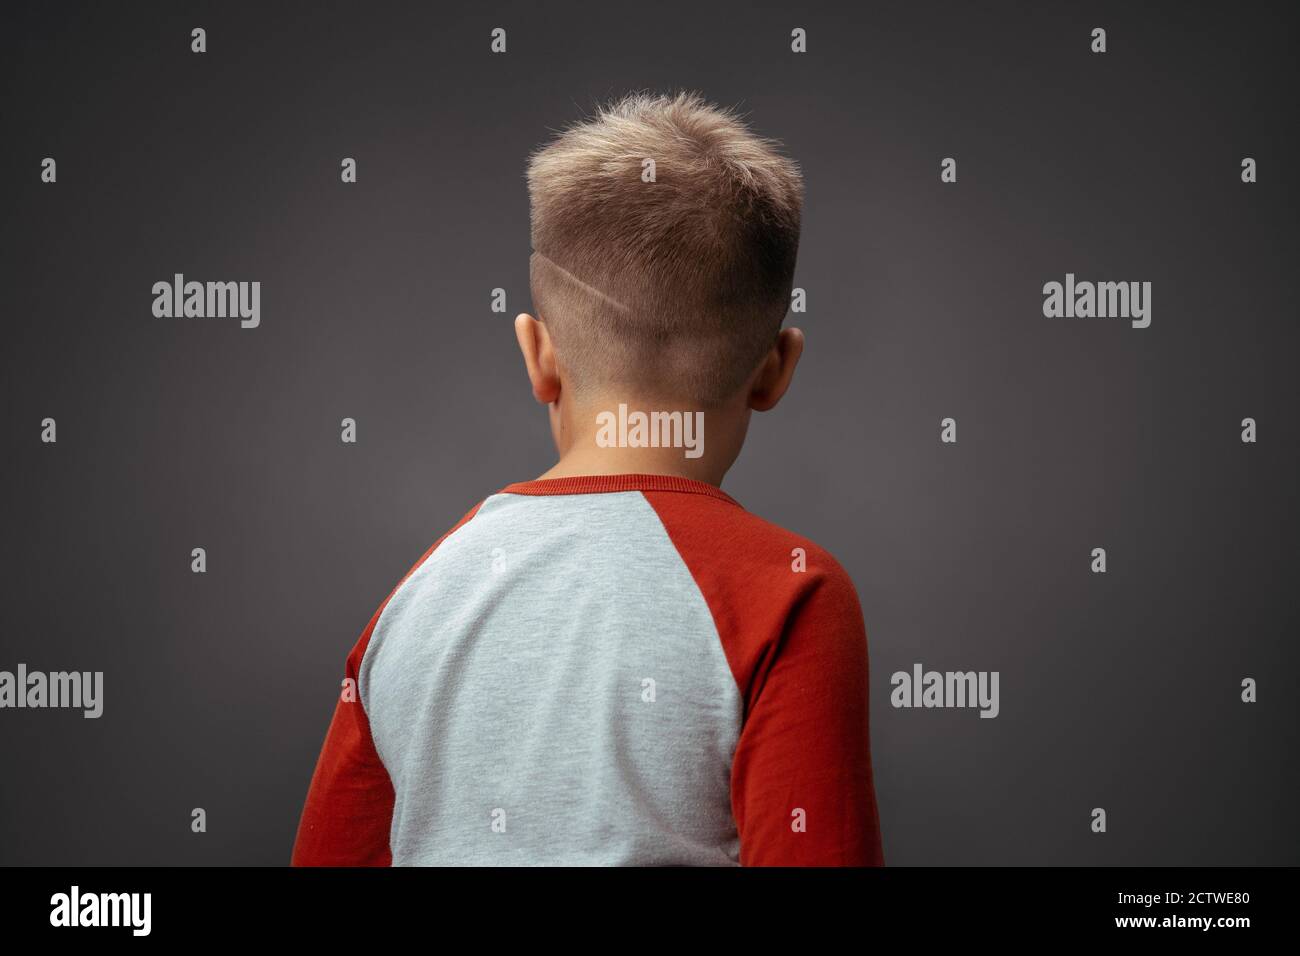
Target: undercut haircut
664,237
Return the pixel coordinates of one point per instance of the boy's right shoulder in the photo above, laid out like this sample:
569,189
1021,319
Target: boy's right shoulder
720,540
772,593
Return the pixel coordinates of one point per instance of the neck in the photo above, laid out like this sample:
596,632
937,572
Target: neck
599,438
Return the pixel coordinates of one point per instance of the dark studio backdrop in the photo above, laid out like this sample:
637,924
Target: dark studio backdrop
1119,690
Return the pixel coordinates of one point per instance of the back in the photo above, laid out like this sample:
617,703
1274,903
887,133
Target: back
609,670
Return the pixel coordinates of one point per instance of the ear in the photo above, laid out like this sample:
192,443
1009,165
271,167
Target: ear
773,376
539,358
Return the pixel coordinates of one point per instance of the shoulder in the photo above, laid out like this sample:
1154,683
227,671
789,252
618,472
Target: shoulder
726,536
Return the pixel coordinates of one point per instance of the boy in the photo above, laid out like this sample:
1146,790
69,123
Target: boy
616,663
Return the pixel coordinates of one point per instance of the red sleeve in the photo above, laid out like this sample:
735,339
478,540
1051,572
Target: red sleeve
801,780
349,808
350,803
802,790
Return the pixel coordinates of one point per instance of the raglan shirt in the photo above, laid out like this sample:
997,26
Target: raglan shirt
626,669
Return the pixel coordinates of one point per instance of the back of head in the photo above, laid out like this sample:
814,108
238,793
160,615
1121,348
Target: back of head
664,238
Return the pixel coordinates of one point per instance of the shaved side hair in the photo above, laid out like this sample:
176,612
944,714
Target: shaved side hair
664,237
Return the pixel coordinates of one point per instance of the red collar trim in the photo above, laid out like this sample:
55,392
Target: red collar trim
597,484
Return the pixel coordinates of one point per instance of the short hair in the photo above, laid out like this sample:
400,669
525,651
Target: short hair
675,287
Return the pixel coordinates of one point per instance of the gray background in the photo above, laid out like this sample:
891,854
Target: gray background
1118,690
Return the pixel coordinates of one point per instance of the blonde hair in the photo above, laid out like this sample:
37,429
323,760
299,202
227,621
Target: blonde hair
676,287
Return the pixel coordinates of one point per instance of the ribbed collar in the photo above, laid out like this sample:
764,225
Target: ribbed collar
597,484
